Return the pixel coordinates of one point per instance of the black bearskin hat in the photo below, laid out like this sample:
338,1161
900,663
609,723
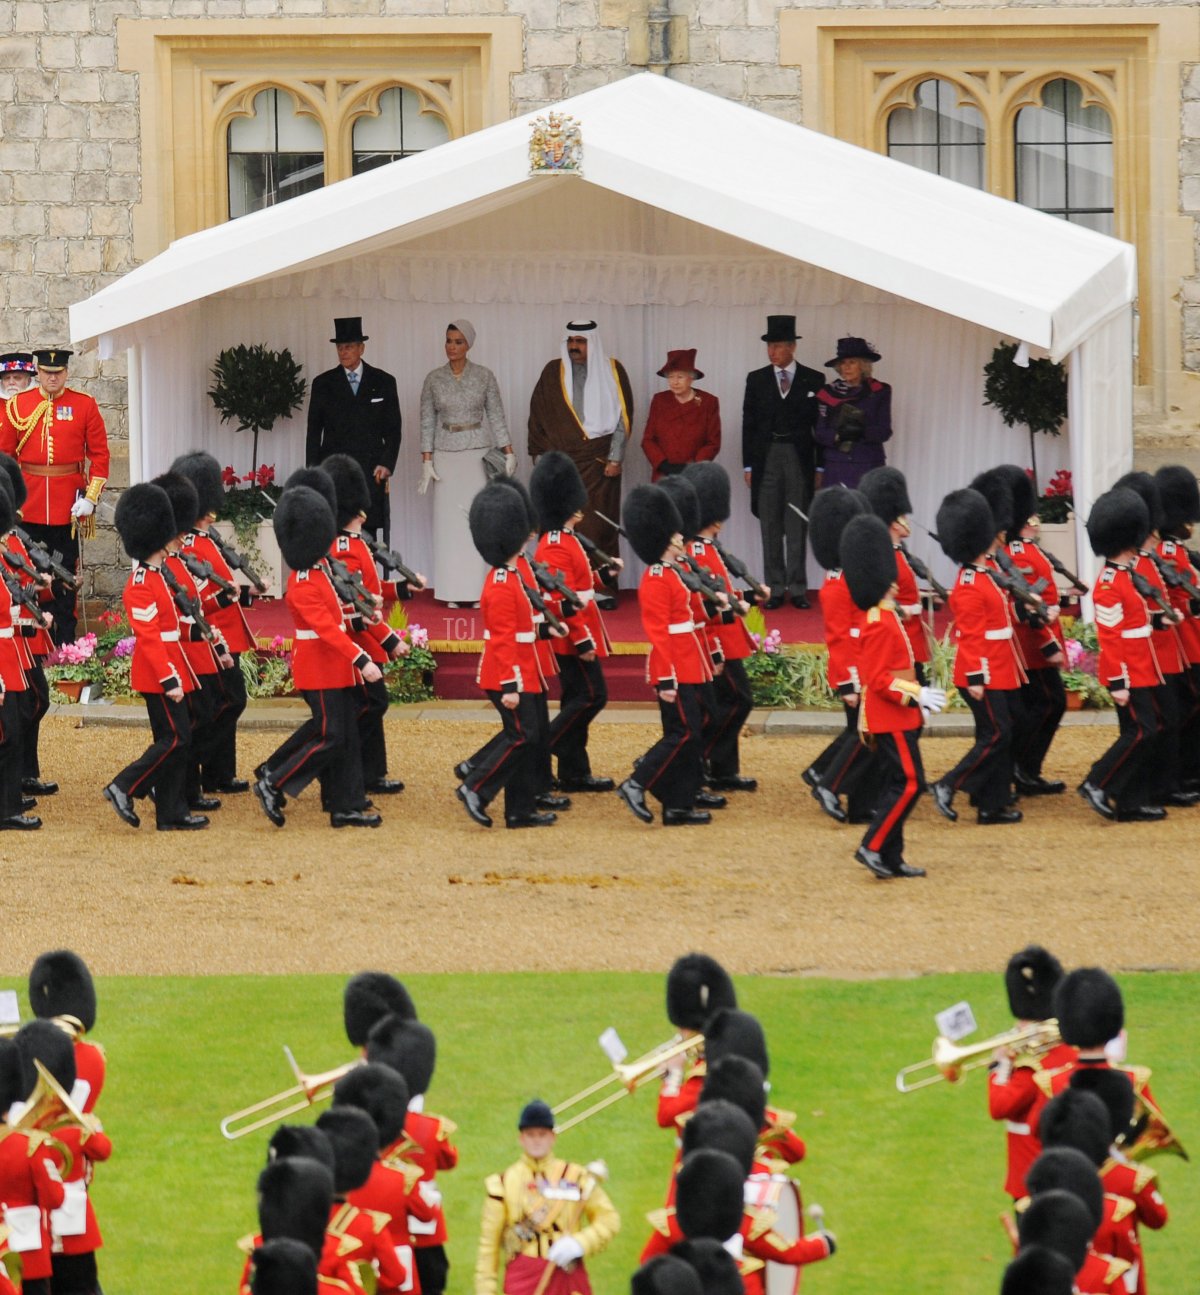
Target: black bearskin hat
1068,1170
1059,1221
665,1275
998,493
1089,1008
295,1141
499,524
1180,496
966,526
185,502
1024,497
1031,978
828,514
733,1033
712,1263
736,1080
697,986
144,520
887,492
721,1126
1143,484
1077,1119
409,1047
381,1092
650,519
283,1267
8,509
368,997
60,984
304,526
355,1140
1119,520
45,1042
518,487
11,1089
1115,1089
295,1195
683,493
349,486
204,472
557,490
710,481
16,479
709,1195
315,479
1038,1271
868,560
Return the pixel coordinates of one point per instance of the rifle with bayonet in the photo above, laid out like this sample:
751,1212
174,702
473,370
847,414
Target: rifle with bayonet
1151,592
553,582
187,603
26,595
206,571
1064,571
1174,577
692,582
739,570
47,563
596,555
922,572
350,589
236,561
391,561
539,604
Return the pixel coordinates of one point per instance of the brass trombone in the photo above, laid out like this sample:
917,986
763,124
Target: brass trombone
306,1092
71,1026
629,1075
950,1062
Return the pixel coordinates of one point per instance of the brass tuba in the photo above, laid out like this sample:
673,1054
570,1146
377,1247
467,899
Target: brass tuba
950,1062
50,1107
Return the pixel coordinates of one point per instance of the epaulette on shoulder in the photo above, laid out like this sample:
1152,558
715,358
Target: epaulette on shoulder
1016,546
247,1244
493,1184
303,575
1169,548
1108,575
1020,1206
762,1223
445,1127
499,575
377,1219
660,1220
968,576
779,1119
1123,1207
1143,1177
1139,1076
139,576
343,543
874,615
655,570
554,536
1115,1272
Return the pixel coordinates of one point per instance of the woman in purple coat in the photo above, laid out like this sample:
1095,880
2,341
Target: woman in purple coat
854,416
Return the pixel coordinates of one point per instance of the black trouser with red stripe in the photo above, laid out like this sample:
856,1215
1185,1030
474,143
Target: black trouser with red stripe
1175,708
35,702
373,703
59,539
1044,700
1124,771
897,759
220,766
672,768
849,768
584,696
326,743
163,765
12,725
508,761
722,727
985,772
205,706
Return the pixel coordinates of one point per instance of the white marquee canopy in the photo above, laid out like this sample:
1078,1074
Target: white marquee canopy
667,245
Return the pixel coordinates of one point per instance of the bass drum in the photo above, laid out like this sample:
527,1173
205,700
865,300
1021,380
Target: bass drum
781,1196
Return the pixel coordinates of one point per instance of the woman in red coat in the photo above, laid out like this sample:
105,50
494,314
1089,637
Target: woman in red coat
684,425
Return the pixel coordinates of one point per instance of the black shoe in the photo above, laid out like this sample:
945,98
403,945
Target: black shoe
20,823
386,787
903,869
1141,814
811,777
829,802
353,818
733,782
606,602
774,603
872,860
1183,799
1094,797
36,787
551,800
204,803
473,805
232,787
587,783
996,817
188,823
270,798
28,803
462,770
685,817
122,803
943,798
707,800
800,602
531,820
634,795
1036,785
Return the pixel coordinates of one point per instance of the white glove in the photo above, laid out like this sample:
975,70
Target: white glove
931,700
428,475
82,507
510,465
564,1252
429,1193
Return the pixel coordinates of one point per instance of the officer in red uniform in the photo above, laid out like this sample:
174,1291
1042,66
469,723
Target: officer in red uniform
145,521
58,437
61,990
1180,499
893,701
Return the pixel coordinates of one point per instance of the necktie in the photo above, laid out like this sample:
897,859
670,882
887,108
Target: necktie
784,382
353,383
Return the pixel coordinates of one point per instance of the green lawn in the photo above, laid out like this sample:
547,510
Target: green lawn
910,1184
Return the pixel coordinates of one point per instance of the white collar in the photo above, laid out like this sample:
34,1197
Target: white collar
355,373
789,369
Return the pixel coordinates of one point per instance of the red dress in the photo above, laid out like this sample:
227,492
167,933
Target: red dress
682,432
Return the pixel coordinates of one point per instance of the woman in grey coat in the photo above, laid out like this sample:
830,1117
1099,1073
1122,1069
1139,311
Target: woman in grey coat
462,419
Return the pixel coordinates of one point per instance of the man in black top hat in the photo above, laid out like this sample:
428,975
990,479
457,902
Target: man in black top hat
354,409
779,412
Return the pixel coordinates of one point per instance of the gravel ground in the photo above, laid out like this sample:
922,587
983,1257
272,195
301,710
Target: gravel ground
770,887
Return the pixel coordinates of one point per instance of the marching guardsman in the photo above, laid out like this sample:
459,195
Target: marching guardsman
58,437
678,666
17,373
34,643
843,765
988,671
1060,1221
697,986
13,707
559,498
223,609
1119,784
731,685
1180,499
542,1218
61,990
145,521
326,667
893,701
369,996
283,1267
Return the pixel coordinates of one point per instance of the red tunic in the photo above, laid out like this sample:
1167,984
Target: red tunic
377,640
1127,654
983,632
35,637
391,1190
1012,1101
677,652
1166,640
1036,645
1100,1274
561,551
676,1100
86,1150
196,647
158,661
727,629
67,431
909,600
888,674
12,672
1138,1184
682,432
842,618
29,1179
508,662
90,1068
543,646
358,1236
225,612
1117,1233
1189,629
426,1144
334,1272
324,655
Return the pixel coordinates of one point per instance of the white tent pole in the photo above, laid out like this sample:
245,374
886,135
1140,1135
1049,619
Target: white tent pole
133,366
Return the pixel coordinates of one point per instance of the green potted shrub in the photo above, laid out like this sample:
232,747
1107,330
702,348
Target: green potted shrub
1034,395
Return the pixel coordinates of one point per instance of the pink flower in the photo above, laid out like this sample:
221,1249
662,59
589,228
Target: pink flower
419,636
124,647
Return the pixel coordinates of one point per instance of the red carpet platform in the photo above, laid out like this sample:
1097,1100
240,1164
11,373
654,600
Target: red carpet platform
456,635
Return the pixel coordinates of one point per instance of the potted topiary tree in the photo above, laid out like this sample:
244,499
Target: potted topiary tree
1034,395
